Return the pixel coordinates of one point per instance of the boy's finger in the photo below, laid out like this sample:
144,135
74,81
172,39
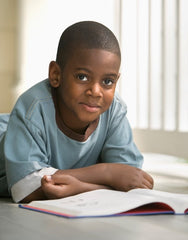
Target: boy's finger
61,179
47,178
53,191
148,178
147,184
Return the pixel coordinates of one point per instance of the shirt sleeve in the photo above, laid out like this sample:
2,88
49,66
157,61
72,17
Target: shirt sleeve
25,147
119,146
29,184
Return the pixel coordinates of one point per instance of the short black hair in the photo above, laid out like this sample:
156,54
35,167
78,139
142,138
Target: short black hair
86,34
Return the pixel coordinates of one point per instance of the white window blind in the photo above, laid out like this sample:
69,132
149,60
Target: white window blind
155,63
154,72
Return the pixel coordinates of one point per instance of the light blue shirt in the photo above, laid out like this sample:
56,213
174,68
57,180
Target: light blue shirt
34,141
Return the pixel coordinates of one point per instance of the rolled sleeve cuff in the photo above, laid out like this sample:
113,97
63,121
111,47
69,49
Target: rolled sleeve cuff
29,184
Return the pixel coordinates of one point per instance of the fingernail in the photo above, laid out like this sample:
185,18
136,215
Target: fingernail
48,178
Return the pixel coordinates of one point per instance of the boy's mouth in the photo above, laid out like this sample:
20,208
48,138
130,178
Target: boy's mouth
90,107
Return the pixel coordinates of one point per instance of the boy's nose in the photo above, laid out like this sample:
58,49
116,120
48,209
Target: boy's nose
95,90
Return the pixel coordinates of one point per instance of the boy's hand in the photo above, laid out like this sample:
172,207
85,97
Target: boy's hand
62,185
124,178
59,186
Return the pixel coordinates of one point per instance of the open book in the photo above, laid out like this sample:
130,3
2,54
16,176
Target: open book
104,203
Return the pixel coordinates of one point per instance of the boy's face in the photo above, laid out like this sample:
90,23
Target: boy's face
87,86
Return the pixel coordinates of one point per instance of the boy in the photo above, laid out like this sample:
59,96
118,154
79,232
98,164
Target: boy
69,133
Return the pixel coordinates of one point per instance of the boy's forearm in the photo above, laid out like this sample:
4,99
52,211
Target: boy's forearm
114,175
96,174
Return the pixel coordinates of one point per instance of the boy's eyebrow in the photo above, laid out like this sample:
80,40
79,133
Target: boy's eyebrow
83,69
87,70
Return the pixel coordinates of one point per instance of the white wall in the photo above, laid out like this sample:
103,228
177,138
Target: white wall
8,51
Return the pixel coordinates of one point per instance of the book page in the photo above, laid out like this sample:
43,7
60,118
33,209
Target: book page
109,202
179,202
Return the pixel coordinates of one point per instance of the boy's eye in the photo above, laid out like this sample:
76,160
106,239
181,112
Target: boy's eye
82,77
108,82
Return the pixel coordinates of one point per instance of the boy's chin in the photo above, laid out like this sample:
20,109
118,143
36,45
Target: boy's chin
90,119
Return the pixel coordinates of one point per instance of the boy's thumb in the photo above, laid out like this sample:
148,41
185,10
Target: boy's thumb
47,178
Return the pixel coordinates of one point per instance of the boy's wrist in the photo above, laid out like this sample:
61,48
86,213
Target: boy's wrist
106,169
90,187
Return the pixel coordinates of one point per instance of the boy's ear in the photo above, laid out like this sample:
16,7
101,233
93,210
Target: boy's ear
54,74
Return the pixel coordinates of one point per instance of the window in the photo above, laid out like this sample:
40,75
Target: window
155,63
154,73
